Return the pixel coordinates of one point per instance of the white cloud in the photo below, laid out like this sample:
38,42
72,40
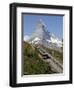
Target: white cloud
26,38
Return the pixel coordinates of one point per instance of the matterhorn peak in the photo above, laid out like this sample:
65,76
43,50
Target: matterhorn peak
42,36
40,21
40,24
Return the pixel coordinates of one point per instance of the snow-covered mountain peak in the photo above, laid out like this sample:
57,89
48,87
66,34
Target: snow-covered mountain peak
42,36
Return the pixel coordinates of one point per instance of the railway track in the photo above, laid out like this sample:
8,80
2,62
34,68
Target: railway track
56,66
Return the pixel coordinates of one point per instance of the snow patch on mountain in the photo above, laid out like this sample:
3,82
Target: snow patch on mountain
35,40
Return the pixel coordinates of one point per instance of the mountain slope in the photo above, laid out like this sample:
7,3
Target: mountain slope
32,63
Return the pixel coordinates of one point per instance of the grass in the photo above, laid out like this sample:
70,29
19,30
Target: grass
33,64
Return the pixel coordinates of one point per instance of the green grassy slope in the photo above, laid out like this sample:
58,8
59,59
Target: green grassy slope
33,64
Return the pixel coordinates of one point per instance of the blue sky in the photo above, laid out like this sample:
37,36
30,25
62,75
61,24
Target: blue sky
54,24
